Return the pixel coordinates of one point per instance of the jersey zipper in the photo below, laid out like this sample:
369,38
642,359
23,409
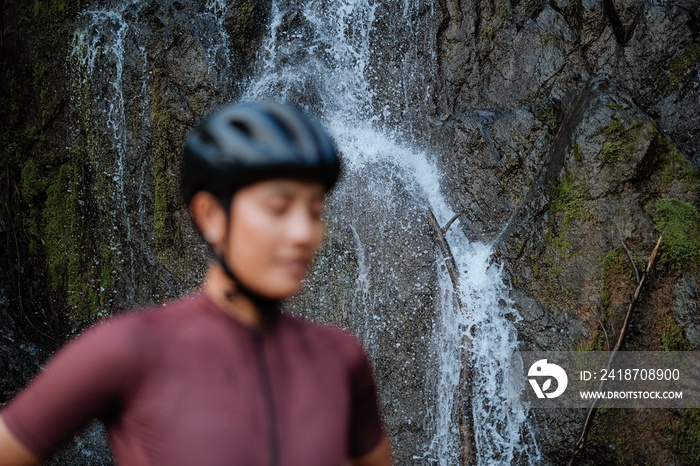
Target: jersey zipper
268,400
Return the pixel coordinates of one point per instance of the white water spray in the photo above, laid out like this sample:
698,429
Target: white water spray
114,123
320,55
324,65
218,50
99,49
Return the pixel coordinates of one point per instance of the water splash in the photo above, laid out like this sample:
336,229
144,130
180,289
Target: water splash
98,53
218,50
319,55
112,87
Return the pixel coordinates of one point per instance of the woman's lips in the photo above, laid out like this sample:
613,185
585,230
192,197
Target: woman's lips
296,267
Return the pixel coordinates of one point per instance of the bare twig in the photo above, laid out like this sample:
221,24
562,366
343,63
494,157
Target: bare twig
629,256
602,327
446,252
466,422
594,406
449,224
650,264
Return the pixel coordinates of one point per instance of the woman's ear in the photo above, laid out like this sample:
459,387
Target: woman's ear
210,218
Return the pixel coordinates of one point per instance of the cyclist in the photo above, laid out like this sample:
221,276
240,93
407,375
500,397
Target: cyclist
221,377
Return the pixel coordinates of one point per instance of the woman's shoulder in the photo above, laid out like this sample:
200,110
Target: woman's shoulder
140,327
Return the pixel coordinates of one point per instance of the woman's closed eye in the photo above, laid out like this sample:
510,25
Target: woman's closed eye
278,205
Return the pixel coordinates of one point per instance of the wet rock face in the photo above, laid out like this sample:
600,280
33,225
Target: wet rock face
559,126
146,73
568,155
588,177
385,295
506,54
115,88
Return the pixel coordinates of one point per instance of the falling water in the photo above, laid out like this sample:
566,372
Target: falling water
112,86
218,50
99,49
319,55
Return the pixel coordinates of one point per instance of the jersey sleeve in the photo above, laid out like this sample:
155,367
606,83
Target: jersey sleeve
366,428
87,379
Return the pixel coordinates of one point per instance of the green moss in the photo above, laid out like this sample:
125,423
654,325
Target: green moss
671,336
615,264
33,185
48,200
197,106
680,248
679,67
604,296
578,153
596,342
615,126
246,10
617,275
557,297
487,34
63,236
518,248
568,200
548,116
689,439
244,25
609,153
670,163
165,191
621,141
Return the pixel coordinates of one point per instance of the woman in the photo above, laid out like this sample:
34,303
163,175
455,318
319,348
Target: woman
221,377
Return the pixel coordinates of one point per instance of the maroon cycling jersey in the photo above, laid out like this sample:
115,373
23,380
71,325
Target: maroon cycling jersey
188,385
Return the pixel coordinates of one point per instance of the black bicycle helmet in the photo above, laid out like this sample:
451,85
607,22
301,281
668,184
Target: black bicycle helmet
244,143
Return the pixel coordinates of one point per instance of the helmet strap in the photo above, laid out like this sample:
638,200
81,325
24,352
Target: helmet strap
268,308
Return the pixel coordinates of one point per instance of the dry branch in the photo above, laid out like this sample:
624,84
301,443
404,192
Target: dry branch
629,256
466,421
445,249
594,405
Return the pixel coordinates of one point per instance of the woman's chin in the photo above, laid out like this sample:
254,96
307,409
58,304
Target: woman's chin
284,289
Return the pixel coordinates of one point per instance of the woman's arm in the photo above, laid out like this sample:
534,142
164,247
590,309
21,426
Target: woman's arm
12,452
379,456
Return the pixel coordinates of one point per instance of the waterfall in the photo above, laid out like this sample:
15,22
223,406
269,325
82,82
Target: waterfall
319,55
380,272
99,50
114,78
218,50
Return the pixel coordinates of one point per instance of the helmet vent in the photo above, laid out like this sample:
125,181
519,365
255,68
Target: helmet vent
205,137
286,129
241,127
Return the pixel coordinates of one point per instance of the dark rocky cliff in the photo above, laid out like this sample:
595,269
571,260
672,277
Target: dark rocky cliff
578,126
563,128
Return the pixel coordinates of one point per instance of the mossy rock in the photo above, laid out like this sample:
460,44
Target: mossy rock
680,247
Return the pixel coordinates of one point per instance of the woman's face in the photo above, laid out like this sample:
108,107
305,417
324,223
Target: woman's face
275,230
